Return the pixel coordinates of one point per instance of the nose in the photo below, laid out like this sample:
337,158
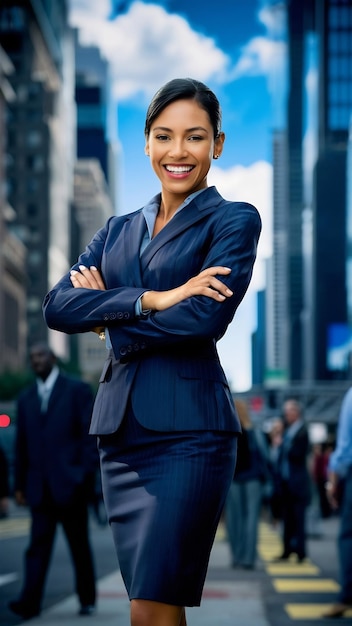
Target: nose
178,148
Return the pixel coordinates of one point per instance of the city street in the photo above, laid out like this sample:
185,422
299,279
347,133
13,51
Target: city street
286,594
60,584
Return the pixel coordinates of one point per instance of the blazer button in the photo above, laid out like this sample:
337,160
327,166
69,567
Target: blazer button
130,348
113,316
123,351
143,345
120,315
105,317
126,316
136,347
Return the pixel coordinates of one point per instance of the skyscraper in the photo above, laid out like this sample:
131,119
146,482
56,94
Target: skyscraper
310,163
37,39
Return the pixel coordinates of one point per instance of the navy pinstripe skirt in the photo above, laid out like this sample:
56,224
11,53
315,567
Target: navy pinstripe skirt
164,493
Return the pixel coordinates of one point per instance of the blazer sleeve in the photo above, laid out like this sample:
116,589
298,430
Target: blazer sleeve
234,245
80,310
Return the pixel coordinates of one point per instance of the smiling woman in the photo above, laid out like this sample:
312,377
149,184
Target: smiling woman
164,283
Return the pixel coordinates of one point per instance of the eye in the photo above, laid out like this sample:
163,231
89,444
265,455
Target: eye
162,137
195,138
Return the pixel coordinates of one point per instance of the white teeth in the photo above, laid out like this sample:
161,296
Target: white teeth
178,169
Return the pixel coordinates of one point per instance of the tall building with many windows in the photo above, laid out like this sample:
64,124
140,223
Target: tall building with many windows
36,37
310,196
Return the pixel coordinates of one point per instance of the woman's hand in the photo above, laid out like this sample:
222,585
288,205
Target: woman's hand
204,284
88,278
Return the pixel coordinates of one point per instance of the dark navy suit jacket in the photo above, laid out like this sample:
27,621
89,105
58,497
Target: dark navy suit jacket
165,362
54,449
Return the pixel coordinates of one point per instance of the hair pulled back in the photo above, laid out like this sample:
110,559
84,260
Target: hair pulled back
181,89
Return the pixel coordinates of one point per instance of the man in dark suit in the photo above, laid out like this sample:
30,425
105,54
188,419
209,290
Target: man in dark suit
54,465
295,481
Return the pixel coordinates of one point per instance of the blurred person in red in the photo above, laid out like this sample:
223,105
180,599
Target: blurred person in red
319,468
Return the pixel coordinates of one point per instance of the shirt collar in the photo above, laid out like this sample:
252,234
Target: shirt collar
150,210
49,383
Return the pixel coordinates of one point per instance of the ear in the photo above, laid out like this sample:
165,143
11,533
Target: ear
219,145
146,148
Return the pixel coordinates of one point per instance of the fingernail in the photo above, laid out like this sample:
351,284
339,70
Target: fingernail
82,267
229,292
228,268
221,296
73,272
92,267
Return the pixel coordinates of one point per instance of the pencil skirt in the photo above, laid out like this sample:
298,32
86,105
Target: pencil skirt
164,493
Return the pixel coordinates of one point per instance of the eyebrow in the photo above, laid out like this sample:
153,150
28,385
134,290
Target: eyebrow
188,130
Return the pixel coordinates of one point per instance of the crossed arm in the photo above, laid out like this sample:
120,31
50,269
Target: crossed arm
204,284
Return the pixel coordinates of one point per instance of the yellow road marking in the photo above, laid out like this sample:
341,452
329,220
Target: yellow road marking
306,569
309,611
321,585
14,527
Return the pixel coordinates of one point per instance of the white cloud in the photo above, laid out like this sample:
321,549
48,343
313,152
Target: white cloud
273,17
267,55
250,184
147,46
247,184
260,56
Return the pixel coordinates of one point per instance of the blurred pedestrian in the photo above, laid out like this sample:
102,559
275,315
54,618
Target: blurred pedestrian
295,481
4,484
274,499
54,462
162,284
340,496
244,500
319,468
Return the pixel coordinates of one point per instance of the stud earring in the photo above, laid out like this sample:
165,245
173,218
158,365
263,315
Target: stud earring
216,156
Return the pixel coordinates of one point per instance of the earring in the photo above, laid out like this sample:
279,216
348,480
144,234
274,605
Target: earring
216,156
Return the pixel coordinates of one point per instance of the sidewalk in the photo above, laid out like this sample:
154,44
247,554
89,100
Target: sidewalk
224,603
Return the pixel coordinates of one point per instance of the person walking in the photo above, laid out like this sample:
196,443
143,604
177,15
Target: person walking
339,491
274,500
55,459
244,500
161,285
295,481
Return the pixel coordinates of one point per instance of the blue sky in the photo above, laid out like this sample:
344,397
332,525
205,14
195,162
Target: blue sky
236,47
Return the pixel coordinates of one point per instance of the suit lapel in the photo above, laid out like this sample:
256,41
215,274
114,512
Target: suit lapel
198,208
134,232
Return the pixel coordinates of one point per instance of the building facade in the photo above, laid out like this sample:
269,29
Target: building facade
41,147
308,288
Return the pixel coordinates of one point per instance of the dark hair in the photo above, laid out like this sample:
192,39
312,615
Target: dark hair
180,89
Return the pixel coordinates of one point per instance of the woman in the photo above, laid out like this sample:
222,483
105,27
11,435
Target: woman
243,504
162,284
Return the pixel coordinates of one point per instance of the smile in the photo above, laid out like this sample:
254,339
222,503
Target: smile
179,169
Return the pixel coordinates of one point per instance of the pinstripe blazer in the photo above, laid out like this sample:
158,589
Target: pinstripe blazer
165,362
